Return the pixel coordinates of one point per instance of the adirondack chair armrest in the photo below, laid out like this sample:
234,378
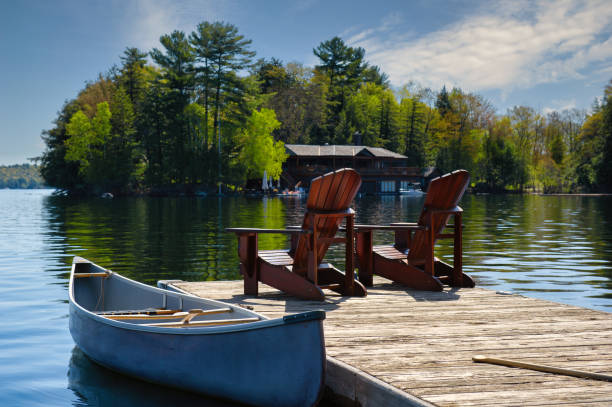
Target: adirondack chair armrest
342,212
246,231
392,227
402,230
456,209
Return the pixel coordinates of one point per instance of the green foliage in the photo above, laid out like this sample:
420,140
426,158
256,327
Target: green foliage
206,114
413,127
297,95
134,74
259,151
87,141
604,170
443,103
500,164
557,150
343,68
55,170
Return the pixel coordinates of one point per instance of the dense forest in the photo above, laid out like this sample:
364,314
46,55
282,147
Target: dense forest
207,112
20,176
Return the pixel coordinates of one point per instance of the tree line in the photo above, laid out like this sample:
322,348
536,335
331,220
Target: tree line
206,112
20,176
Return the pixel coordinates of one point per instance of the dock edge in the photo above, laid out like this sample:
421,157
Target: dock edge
349,386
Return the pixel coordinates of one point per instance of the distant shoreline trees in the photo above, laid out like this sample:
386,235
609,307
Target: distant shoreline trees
20,176
207,113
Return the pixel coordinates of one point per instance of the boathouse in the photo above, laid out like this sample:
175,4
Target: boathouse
382,171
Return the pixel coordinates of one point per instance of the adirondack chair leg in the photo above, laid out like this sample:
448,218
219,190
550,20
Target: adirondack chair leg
446,270
312,272
331,275
247,252
403,239
364,257
430,236
282,278
457,254
402,272
349,273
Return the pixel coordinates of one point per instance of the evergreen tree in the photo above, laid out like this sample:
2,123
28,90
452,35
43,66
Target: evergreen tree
443,102
229,53
220,52
55,170
343,66
132,74
413,126
176,62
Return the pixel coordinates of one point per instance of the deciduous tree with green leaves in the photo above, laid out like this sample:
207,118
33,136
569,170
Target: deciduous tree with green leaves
87,144
259,151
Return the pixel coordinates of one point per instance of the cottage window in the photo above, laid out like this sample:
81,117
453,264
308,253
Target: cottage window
387,186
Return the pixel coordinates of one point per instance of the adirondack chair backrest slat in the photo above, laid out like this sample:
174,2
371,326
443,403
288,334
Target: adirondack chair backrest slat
333,191
444,192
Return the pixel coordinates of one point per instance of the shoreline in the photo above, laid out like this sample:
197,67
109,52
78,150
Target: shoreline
188,192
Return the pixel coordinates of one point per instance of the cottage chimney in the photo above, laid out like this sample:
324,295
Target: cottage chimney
357,139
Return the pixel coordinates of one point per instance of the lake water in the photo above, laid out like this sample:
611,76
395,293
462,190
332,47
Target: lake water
557,248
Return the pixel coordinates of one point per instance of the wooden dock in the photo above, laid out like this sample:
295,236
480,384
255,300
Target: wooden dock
404,347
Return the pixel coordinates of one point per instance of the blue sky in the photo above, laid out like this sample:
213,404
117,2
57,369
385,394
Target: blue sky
550,55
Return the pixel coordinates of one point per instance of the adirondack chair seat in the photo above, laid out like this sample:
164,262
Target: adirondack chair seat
388,259
300,271
410,260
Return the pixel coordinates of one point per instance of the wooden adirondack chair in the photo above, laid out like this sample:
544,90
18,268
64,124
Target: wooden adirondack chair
299,271
411,261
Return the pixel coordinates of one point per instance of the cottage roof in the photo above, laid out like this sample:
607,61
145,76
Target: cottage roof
303,150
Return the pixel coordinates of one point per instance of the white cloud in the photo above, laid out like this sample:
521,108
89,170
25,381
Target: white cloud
560,105
147,20
302,5
504,47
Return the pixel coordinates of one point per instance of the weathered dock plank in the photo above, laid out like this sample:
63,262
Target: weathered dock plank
422,343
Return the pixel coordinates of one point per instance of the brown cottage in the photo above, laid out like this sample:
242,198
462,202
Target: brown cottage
382,171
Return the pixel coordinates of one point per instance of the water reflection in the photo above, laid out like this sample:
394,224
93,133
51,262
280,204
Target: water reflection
94,385
559,248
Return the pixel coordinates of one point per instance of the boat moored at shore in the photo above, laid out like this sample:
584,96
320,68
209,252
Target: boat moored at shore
195,344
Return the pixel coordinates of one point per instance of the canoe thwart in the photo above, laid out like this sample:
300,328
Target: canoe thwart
82,275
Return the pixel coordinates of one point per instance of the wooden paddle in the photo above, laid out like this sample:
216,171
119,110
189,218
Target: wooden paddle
542,368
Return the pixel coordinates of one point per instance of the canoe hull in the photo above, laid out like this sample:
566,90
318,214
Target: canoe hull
271,365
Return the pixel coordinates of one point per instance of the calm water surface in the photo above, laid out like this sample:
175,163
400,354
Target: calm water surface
555,248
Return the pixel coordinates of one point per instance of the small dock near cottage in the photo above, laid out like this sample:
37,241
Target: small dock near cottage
400,347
